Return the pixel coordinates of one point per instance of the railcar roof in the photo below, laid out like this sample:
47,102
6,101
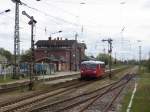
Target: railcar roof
92,62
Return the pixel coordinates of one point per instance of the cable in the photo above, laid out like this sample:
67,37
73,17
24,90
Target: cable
66,2
61,9
46,14
55,18
22,21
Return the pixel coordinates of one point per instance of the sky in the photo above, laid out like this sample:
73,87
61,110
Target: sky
125,21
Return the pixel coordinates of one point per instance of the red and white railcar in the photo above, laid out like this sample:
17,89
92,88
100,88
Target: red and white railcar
92,69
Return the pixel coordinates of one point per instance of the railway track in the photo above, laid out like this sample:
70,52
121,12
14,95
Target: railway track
16,86
20,102
109,105
105,102
12,87
23,103
70,103
36,93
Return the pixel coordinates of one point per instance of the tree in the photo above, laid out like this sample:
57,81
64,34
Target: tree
6,54
87,58
103,57
148,63
26,57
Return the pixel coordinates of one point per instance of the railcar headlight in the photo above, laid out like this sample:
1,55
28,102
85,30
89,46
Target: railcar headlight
82,71
94,71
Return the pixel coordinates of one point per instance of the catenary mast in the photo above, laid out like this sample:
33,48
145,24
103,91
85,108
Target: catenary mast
16,40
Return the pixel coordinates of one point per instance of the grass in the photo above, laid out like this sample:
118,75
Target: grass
8,79
141,101
118,66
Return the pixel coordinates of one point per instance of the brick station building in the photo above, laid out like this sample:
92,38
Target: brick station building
64,54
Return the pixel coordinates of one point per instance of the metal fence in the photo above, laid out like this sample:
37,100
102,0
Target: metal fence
24,68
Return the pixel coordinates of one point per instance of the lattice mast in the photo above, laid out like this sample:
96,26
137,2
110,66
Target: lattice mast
16,39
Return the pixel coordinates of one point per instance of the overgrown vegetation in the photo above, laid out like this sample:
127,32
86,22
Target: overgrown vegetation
106,58
103,57
141,101
5,79
26,57
6,54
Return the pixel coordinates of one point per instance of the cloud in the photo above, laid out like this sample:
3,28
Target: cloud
145,4
100,20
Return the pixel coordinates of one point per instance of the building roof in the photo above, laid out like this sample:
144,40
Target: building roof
53,43
59,43
82,45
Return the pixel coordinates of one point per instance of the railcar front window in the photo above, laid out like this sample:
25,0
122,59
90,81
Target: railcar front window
83,66
91,66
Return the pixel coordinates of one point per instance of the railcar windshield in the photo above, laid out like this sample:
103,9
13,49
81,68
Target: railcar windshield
89,66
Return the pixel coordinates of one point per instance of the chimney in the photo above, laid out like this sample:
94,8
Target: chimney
57,38
61,38
50,38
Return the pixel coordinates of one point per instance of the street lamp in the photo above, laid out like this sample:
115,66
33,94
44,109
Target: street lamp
55,32
78,17
5,11
82,3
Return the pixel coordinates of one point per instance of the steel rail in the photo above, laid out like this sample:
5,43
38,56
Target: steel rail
114,99
2,104
69,99
8,102
40,99
87,106
94,97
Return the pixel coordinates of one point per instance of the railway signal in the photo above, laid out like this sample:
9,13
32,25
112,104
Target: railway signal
109,51
32,22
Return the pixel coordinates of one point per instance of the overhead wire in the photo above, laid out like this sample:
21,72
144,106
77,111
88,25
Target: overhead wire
22,21
57,18
47,14
60,9
66,2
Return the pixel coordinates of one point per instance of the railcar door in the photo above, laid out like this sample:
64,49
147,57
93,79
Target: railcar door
102,69
98,71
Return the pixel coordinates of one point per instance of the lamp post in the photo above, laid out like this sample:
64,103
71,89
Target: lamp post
55,32
5,11
122,4
82,28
